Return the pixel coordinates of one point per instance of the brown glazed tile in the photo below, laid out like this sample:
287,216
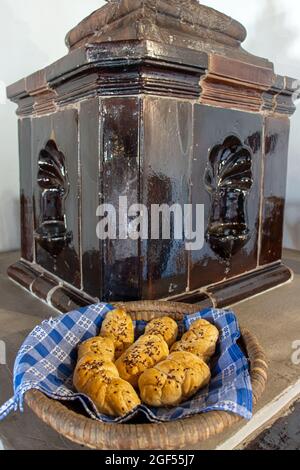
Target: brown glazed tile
212,126
62,129
89,116
120,165
235,290
200,298
66,300
261,76
26,190
274,188
36,81
168,139
232,83
22,274
42,286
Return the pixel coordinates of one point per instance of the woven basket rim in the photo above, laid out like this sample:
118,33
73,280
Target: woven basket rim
166,436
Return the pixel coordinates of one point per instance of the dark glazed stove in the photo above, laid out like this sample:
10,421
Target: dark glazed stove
157,101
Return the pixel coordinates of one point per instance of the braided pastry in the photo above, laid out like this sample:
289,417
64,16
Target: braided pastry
165,327
201,340
103,347
118,326
147,351
100,380
173,380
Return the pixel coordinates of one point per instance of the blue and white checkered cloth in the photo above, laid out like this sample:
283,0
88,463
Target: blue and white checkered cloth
47,359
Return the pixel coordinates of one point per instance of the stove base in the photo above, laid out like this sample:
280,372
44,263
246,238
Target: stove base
65,298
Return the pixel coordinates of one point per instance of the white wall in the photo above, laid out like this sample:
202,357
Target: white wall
32,35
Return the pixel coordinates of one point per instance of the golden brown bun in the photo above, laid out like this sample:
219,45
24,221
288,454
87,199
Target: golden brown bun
164,326
102,347
147,351
201,340
89,367
174,380
205,328
101,382
121,398
118,326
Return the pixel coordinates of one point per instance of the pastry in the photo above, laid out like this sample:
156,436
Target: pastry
120,398
173,380
201,340
164,326
205,328
101,382
147,351
91,366
118,326
102,347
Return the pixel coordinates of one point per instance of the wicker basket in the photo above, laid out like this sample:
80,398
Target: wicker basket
172,435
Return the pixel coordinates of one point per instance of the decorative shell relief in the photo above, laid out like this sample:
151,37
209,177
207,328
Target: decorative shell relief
229,166
52,234
228,178
52,174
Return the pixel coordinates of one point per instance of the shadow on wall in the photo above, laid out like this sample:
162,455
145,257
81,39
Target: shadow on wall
18,53
274,37
27,44
292,214
9,179
9,221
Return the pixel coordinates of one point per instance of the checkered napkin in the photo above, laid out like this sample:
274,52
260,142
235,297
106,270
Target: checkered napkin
47,359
